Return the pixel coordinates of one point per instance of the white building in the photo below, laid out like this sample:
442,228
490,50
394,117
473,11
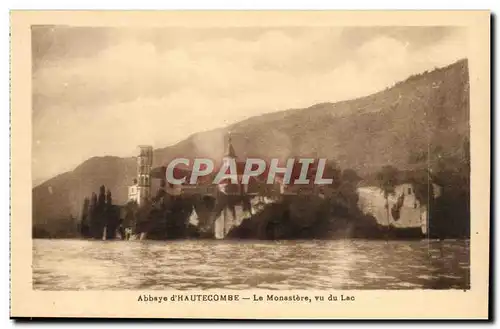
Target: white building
401,209
138,193
140,190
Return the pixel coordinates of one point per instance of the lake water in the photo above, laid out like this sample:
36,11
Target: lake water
205,264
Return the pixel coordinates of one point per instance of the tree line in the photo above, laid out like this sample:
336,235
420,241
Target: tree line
166,216
100,219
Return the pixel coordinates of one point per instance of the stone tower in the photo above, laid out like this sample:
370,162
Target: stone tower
144,164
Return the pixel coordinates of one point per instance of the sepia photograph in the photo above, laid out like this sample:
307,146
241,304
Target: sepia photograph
217,159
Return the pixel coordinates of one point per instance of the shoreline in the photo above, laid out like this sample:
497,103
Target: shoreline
264,240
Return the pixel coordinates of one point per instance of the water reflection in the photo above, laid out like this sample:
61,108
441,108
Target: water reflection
338,264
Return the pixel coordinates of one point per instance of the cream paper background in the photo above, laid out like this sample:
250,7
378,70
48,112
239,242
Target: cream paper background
472,303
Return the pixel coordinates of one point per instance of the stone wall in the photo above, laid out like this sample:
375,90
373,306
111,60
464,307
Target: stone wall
403,209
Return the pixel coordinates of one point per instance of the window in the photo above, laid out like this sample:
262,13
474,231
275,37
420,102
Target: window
409,190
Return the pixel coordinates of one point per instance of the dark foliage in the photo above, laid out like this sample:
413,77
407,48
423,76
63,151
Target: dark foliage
420,126
99,217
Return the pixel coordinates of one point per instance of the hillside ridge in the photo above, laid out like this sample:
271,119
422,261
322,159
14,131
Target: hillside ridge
393,126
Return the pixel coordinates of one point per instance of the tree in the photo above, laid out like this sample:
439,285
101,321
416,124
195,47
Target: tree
84,221
109,200
93,215
332,170
351,176
347,191
101,201
112,217
130,219
387,179
99,216
422,186
93,201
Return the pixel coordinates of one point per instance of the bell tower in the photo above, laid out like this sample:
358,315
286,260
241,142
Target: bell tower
144,164
230,153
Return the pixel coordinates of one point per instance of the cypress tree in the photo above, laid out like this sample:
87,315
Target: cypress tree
93,215
84,221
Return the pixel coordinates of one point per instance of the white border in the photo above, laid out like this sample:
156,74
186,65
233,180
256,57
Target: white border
185,4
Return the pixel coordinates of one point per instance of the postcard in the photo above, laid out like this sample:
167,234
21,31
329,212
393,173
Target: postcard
250,164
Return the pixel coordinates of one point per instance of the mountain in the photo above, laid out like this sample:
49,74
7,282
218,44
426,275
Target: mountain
396,126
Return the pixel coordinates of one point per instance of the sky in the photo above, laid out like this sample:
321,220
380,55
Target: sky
102,91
